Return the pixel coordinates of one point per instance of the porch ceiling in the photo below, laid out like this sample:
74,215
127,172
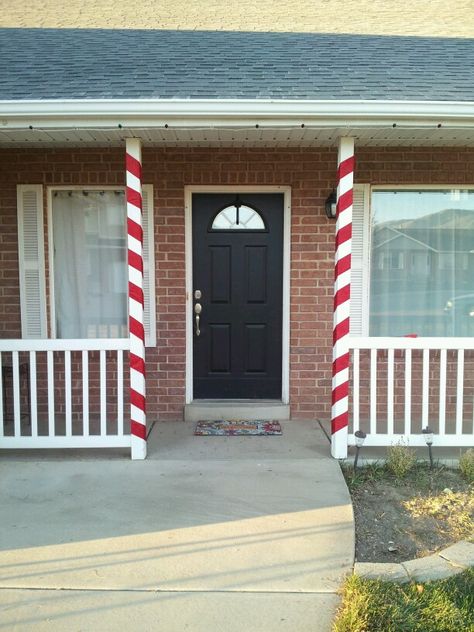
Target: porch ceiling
254,136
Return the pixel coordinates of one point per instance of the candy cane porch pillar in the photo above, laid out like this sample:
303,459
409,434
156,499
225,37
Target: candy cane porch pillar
342,294
135,298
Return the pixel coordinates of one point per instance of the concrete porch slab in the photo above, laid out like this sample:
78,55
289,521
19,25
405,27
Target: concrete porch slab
216,515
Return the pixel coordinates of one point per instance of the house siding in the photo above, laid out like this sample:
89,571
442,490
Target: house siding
311,173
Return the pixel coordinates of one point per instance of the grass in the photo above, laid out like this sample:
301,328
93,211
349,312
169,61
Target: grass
377,606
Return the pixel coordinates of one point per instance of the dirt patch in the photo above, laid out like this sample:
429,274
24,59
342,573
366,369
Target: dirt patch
400,519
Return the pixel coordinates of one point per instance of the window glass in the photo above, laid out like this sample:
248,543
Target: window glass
90,273
422,263
238,218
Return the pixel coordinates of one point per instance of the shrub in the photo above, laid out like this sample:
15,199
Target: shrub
400,460
466,465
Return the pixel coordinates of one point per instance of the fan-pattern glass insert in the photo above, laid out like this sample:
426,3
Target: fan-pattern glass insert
238,218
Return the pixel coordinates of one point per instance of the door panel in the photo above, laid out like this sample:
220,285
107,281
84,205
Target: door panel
239,272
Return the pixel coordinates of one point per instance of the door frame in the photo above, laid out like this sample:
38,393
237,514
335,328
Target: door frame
188,239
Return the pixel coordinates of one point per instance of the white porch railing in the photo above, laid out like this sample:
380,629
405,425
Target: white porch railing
63,393
401,385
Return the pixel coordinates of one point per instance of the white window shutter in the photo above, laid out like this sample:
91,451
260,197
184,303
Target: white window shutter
31,260
360,261
149,266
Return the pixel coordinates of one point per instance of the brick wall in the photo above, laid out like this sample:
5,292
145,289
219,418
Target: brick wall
310,173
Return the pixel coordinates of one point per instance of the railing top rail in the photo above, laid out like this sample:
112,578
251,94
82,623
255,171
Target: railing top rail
410,343
87,344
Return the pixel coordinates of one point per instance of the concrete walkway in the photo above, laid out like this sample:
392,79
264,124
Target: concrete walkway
209,533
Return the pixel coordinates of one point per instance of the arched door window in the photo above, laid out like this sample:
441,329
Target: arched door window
238,217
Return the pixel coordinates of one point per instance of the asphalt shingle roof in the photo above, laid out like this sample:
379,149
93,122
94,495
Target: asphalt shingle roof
96,64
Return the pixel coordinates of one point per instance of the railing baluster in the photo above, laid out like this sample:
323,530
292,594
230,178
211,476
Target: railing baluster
390,377
459,391
68,394
50,362
373,391
407,429
33,395
85,392
2,431
356,389
120,392
103,393
425,388
442,392
16,393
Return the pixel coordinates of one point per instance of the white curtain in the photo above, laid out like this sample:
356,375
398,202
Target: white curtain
90,275
422,263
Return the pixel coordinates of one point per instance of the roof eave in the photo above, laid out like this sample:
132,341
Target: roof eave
113,113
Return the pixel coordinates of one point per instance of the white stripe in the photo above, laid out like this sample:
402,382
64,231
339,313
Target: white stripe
346,182
342,312
133,182
135,309
340,377
137,346
343,249
342,281
345,218
137,414
340,407
135,276
135,245
137,381
134,213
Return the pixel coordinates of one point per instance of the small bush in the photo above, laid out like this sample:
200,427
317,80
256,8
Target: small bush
400,460
466,465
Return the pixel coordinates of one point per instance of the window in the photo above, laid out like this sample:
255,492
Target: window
422,258
238,217
87,269
89,263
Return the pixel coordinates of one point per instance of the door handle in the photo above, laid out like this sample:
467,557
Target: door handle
197,312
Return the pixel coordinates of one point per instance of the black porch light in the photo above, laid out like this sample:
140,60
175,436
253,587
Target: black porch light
331,204
428,435
359,441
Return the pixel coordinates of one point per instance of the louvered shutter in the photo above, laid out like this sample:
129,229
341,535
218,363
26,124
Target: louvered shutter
360,260
31,261
149,266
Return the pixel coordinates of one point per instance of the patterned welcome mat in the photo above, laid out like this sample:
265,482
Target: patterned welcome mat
237,427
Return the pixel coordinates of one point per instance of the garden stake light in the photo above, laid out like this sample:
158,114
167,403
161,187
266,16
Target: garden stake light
359,440
428,434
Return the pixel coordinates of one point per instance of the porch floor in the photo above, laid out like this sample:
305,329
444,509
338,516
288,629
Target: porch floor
208,533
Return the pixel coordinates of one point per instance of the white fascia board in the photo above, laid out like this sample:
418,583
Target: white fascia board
113,113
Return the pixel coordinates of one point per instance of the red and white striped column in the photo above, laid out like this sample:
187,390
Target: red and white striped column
135,297
342,294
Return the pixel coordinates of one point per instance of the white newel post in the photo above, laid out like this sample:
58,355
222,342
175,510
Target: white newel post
342,292
135,297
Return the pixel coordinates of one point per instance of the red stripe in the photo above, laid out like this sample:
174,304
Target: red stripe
136,328
345,200
342,295
340,363
339,422
138,430
343,265
136,293
346,167
135,198
340,330
134,166
343,235
137,399
135,230
137,363
340,392
135,261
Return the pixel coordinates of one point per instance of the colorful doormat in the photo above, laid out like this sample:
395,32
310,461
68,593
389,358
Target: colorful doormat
237,427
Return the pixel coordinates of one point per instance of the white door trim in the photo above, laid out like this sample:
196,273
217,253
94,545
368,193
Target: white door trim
188,229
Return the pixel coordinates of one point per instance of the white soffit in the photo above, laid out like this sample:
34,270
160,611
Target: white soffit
236,137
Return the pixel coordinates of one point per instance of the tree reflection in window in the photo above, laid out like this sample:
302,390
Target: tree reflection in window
238,217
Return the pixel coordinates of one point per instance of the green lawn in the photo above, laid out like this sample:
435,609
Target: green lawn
441,606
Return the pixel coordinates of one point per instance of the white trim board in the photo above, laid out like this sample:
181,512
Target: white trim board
188,193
